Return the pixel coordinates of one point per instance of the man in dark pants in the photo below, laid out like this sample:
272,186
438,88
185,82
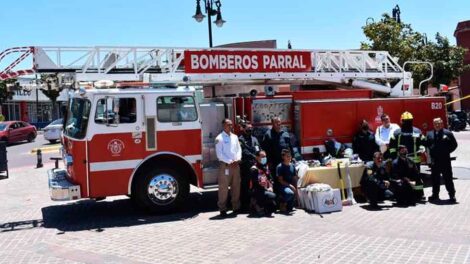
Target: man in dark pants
274,141
410,137
404,180
364,142
375,182
441,142
250,147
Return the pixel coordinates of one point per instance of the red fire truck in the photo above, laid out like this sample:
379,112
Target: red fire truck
153,141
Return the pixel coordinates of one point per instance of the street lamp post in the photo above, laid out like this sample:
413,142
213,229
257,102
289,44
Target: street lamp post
210,11
396,14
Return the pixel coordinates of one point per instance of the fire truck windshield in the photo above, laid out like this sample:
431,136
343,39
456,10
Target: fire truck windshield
77,118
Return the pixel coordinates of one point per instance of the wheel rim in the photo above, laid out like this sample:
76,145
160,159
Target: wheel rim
162,189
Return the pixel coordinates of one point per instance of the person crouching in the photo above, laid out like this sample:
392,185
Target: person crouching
405,176
263,197
286,182
376,181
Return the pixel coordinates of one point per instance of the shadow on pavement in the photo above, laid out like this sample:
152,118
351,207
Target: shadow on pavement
379,207
20,225
443,202
99,216
17,143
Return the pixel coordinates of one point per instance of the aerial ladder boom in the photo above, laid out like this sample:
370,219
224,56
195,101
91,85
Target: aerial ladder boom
358,68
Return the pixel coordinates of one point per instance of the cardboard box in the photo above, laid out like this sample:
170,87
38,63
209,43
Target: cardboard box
325,202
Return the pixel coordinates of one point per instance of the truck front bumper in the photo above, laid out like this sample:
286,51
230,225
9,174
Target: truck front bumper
60,188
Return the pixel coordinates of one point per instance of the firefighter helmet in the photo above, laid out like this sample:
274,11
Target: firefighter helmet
406,116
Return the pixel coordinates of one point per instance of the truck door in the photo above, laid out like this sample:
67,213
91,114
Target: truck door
212,114
116,146
178,127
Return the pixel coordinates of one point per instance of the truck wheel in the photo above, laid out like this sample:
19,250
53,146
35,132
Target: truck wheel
53,141
161,190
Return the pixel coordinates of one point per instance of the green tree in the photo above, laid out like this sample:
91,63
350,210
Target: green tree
401,41
5,94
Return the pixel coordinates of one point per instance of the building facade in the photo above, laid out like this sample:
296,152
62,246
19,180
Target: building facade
31,105
462,34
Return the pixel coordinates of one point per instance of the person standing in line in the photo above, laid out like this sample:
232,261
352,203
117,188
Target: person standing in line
274,141
250,147
441,142
229,154
364,142
383,134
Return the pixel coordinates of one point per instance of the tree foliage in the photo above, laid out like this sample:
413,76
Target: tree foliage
51,89
401,41
5,95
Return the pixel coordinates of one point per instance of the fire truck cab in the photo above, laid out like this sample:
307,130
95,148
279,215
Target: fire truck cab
142,142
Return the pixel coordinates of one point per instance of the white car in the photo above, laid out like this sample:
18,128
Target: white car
53,131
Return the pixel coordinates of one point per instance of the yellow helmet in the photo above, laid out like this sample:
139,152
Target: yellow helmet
406,116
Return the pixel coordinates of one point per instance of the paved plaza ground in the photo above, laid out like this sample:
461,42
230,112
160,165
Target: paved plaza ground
33,229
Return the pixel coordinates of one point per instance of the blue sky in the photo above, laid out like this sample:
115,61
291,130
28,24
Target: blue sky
308,24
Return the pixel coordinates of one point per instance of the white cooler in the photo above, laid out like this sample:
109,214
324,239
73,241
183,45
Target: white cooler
325,202
320,198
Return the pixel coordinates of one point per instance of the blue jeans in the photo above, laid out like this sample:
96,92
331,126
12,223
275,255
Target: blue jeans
287,196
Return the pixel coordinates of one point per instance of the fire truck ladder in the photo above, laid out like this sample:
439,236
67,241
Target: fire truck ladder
166,65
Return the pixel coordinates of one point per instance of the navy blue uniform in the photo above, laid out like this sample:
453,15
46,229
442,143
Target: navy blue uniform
364,145
250,146
273,143
441,144
373,183
404,171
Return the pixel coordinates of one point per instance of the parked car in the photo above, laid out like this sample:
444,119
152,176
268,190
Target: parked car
457,120
15,131
53,131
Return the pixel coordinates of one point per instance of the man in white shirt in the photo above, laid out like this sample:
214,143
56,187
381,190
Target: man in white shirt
229,154
383,134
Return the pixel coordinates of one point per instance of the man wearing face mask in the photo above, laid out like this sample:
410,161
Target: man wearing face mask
364,142
405,177
262,189
250,146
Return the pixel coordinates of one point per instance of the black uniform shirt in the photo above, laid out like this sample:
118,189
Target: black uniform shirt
441,144
274,143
